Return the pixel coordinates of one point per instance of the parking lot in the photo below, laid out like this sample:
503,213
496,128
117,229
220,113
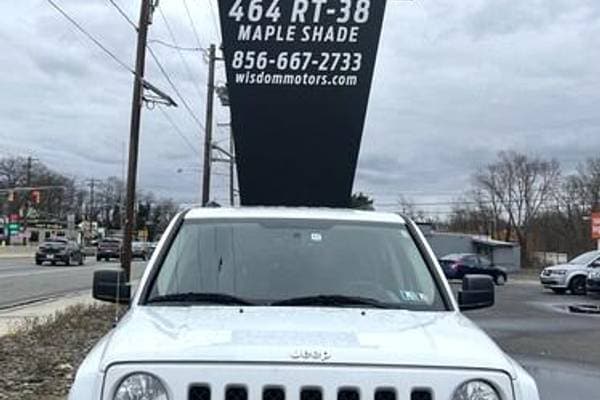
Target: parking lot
558,348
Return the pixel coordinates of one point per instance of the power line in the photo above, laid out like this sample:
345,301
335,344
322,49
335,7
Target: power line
123,14
181,57
177,47
177,92
90,37
178,131
187,10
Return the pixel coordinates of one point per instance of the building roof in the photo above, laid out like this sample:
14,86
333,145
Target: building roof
486,241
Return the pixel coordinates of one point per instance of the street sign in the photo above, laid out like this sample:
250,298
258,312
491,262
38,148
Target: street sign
299,75
596,226
14,227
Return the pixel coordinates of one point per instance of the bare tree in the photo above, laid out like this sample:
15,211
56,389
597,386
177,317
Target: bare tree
521,186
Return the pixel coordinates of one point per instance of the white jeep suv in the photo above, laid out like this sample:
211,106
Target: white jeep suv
296,304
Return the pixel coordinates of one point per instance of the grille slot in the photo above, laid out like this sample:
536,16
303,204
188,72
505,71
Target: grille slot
273,393
348,394
421,394
199,392
236,392
311,394
385,394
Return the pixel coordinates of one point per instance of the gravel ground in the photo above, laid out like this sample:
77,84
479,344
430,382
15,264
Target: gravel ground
40,360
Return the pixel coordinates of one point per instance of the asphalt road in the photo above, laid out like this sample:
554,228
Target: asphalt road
561,350
21,281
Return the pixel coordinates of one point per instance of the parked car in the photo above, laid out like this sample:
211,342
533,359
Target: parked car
571,276
109,248
139,250
593,279
300,304
59,250
456,266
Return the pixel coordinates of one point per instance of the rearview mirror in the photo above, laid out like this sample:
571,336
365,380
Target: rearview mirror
111,286
477,292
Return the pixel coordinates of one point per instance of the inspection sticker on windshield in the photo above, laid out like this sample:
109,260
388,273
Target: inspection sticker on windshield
408,295
316,237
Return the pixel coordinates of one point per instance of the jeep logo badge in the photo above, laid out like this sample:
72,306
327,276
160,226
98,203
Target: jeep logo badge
310,355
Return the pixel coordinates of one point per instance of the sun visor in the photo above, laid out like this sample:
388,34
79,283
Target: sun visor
299,75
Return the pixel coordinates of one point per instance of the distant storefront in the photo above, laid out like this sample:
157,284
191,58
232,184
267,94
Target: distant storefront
502,254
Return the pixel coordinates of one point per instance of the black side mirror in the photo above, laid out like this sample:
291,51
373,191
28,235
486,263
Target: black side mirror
595,264
111,286
477,292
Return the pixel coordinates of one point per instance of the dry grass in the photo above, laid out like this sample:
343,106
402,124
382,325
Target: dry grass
39,361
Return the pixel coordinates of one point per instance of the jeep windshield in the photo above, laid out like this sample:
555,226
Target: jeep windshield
295,263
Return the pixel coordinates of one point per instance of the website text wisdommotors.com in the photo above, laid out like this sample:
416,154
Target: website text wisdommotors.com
275,79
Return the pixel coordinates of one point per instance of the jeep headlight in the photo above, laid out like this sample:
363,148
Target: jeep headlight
141,386
475,390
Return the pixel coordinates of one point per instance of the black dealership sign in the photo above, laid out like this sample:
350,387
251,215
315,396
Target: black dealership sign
299,74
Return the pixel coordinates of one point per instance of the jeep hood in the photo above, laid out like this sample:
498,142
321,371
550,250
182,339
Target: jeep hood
301,335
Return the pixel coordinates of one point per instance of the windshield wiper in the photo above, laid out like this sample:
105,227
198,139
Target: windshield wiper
201,298
335,300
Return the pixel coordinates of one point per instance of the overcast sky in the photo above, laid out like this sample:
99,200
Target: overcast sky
456,82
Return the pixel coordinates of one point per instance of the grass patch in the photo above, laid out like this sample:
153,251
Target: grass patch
40,359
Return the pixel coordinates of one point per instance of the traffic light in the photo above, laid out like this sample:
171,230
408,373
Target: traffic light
36,196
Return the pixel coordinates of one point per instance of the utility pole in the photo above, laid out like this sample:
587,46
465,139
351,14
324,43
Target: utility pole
231,169
28,184
91,183
92,186
147,8
208,126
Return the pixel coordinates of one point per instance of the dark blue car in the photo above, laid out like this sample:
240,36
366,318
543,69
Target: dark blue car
456,266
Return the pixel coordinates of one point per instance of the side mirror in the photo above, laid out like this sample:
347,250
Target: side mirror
595,264
111,286
477,292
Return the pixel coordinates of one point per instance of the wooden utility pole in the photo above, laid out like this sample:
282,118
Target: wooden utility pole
231,169
134,134
208,126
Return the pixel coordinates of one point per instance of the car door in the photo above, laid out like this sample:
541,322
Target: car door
469,264
485,267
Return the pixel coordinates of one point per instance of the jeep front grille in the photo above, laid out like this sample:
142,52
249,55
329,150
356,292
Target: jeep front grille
239,392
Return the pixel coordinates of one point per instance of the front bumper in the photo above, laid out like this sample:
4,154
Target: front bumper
554,281
293,379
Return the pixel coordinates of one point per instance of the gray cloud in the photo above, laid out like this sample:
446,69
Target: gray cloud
456,81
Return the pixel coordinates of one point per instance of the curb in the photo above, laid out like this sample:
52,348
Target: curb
13,318
17,255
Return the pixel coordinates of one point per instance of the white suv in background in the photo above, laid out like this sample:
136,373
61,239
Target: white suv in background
298,304
572,275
